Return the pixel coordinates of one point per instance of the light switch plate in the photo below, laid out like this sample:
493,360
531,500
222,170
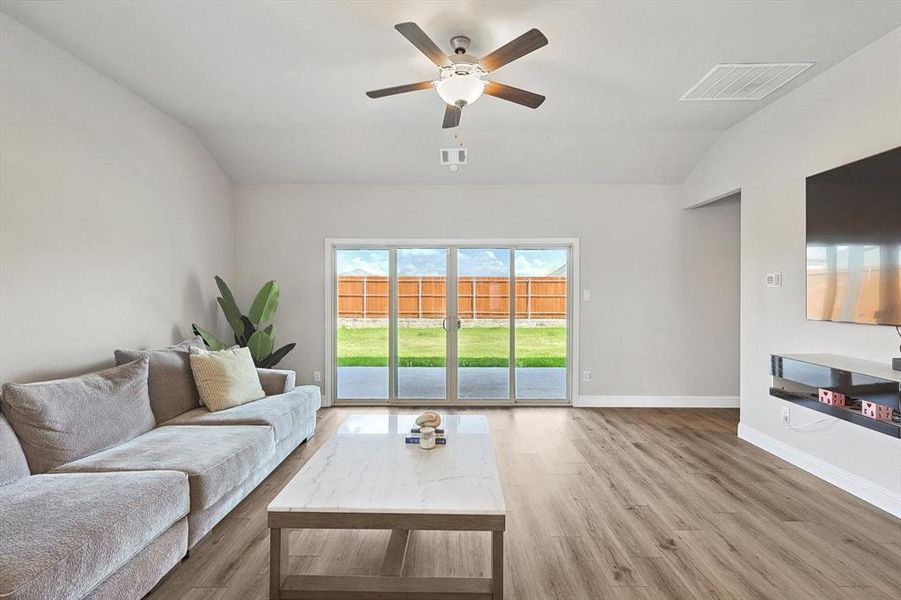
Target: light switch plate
586,295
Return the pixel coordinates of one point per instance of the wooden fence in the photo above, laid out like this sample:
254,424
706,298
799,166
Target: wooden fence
831,296
366,296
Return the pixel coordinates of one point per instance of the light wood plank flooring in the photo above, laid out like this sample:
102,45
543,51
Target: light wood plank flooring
626,504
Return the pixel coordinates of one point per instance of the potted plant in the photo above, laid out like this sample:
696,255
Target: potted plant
252,330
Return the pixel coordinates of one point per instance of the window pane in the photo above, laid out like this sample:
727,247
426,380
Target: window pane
421,339
362,346
541,323
483,307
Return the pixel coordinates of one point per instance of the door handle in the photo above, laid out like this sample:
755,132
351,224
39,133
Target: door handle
444,324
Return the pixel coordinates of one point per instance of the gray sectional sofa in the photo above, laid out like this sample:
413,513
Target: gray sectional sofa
109,520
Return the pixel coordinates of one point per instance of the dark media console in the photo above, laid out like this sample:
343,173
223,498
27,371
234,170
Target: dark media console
799,378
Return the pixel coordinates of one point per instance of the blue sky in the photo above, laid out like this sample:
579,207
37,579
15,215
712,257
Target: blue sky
425,261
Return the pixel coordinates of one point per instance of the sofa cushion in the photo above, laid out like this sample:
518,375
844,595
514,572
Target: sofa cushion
285,413
13,465
63,420
225,378
169,379
200,522
216,459
64,534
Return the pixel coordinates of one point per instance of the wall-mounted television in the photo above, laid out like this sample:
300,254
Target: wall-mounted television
854,242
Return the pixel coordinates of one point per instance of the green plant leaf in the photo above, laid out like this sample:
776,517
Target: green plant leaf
229,307
273,359
265,304
260,346
249,330
232,315
226,293
209,339
271,331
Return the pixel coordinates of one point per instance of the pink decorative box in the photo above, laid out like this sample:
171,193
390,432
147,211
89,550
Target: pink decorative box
876,411
832,398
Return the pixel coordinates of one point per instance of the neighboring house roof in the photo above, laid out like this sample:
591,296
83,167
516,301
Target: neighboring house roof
558,272
358,273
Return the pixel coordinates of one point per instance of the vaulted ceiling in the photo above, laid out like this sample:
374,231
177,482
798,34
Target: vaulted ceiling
276,89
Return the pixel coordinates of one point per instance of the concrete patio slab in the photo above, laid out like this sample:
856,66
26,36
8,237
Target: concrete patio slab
475,383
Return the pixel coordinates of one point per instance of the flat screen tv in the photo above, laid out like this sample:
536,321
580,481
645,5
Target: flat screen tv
854,242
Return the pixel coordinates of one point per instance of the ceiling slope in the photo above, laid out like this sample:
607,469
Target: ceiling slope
276,89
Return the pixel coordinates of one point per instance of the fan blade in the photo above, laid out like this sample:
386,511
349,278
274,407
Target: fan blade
418,38
508,92
528,42
451,116
400,89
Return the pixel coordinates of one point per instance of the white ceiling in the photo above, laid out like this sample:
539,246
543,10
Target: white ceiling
276,89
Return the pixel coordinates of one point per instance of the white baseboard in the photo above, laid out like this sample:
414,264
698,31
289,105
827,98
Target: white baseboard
656,401
867,491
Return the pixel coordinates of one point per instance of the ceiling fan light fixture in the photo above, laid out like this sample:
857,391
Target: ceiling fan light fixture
461,76
460,90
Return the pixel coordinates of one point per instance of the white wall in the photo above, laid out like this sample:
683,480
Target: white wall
113,217
851,111
663,320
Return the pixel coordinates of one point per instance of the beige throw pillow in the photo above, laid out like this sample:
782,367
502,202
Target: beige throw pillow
225,378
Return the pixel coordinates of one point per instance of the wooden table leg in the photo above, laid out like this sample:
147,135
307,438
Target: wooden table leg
278,561
497,565
396,553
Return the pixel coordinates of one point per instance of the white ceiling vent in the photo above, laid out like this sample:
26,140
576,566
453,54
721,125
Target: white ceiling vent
744,81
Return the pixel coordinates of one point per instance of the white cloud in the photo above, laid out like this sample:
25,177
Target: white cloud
538,263
374,262
483,262
421,261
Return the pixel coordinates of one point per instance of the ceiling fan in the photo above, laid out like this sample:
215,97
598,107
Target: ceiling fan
461,76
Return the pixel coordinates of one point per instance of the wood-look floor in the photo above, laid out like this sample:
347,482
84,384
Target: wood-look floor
626,504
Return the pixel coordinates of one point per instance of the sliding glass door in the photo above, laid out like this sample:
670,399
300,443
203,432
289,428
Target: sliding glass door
483,318
421,311
362,328
541,331
435,324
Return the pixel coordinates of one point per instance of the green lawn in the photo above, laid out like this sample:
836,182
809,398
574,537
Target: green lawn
478,347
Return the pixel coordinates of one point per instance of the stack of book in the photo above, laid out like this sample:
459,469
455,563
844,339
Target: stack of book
440,436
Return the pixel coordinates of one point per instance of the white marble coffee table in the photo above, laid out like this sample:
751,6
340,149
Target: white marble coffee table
366,477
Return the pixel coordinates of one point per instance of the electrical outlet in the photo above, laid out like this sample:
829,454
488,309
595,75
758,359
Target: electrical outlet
586,376
317,376
586,295
786,416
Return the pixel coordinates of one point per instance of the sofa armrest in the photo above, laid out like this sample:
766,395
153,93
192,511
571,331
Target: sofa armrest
276,381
